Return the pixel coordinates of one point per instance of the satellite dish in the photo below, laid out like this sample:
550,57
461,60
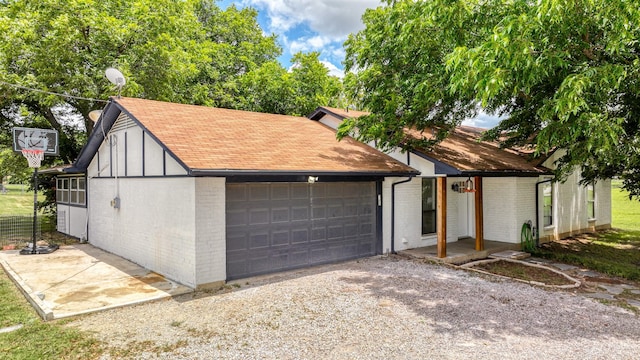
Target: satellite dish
95,115
116,78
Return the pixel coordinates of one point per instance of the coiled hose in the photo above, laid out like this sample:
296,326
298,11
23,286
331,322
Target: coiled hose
526,237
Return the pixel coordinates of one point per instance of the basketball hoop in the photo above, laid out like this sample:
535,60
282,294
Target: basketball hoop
34,156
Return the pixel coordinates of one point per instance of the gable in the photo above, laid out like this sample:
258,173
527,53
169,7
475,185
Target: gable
129,151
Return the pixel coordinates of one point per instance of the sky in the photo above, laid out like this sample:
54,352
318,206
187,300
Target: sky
319,25
310,25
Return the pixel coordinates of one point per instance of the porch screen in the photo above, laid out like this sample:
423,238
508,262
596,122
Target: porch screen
428,206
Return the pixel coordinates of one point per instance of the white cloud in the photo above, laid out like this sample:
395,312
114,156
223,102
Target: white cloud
483,120
334,19
333,70
309,44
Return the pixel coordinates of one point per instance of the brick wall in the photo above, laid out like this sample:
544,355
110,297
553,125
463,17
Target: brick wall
210,231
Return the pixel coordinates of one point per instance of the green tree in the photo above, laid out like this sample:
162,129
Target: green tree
273,89
312,84
564,74
181,51
267,89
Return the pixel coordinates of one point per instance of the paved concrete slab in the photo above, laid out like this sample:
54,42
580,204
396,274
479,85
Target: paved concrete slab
635,303
79,279
563,267
612,289
510,254
600,296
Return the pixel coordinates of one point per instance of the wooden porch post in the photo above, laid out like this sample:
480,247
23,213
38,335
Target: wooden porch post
441,216
479,214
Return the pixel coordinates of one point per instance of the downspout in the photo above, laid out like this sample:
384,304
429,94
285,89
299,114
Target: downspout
538,209
393,212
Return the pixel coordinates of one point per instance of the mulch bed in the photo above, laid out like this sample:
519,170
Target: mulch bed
524,272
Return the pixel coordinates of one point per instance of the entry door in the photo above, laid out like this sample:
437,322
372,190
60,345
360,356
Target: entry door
273,227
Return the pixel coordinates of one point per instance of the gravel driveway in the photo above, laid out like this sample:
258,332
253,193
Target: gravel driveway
376,308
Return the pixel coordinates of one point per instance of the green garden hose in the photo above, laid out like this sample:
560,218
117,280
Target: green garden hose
526,237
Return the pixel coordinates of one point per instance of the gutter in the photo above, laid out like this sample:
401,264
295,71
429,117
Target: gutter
393,212
538,209
240,172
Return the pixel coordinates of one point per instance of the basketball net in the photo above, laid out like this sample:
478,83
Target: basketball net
34,157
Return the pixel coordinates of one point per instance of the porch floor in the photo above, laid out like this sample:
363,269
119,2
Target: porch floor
461,251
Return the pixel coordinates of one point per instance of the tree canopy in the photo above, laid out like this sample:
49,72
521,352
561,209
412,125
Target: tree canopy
564,75
186,51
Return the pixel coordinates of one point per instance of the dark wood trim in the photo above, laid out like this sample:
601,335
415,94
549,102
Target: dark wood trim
441,216
479,214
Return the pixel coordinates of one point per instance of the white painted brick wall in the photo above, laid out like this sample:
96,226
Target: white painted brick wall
210,230
408,215
508,203
570,204
154,227
603,202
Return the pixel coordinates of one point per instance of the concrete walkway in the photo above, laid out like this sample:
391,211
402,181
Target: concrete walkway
80,279
596,285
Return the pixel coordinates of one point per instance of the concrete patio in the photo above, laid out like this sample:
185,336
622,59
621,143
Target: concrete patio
79,279
460,252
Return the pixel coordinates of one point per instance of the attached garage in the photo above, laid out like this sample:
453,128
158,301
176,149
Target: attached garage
273,227
203,195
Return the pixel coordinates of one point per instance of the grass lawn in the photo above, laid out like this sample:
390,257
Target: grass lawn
615,252
17,200
38,339
625,212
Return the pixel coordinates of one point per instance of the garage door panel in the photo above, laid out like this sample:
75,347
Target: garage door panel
299,213
299,258
259,240
258,216
280,238
279,226
300,236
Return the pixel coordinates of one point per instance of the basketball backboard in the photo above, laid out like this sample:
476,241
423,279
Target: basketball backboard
35,139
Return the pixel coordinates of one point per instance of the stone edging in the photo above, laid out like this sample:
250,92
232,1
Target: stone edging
469,266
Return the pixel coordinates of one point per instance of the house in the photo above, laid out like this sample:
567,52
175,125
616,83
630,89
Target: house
469,188
203,195
71,201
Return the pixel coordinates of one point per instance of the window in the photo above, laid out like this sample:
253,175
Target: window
428,206
547,207
591,202
71,190
62,190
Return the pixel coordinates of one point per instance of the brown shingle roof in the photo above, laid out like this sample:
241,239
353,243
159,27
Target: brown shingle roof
206,138
463,150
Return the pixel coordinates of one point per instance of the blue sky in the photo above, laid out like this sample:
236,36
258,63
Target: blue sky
310,25
319,25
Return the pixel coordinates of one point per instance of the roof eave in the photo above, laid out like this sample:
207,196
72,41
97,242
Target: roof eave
237,172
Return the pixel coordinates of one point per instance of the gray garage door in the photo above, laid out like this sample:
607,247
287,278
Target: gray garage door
278,226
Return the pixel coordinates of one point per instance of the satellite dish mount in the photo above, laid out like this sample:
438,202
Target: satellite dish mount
116,78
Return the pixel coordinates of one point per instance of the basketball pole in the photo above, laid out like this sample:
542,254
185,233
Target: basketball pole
35,209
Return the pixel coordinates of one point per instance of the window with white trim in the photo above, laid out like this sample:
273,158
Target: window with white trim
547,201
591,202
71,190
428,206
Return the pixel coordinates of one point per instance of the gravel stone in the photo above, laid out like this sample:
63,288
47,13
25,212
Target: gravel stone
375,308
